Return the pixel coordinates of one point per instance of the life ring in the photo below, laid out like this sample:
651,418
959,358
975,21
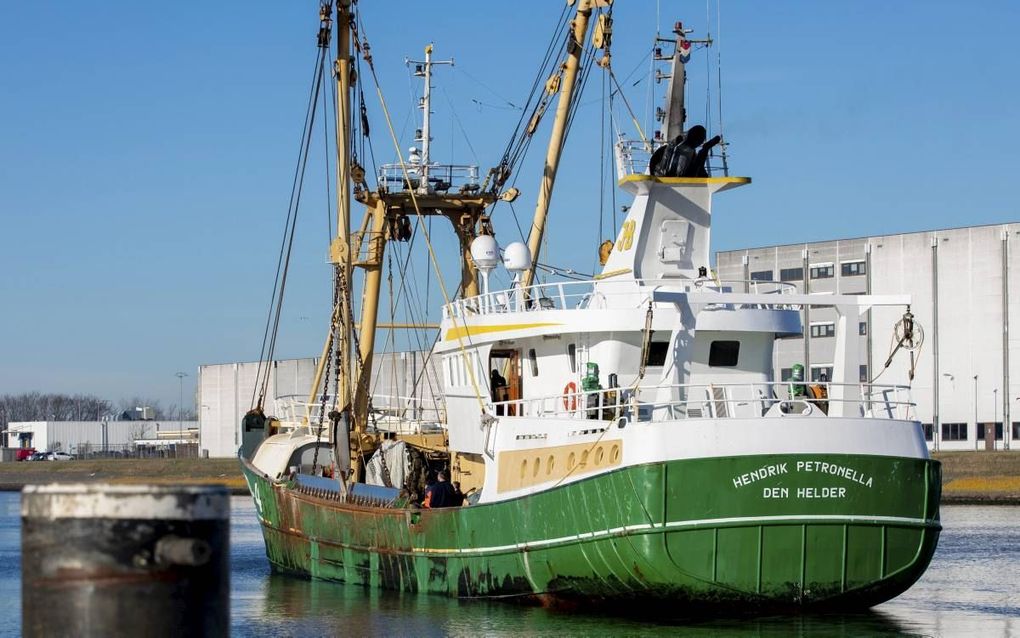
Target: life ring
570,397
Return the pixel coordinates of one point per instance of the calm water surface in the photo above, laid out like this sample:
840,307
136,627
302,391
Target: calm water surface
971,589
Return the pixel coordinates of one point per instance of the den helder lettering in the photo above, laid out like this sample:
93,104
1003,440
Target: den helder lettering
802,467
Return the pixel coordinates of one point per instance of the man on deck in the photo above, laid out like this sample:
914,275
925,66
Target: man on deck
440,494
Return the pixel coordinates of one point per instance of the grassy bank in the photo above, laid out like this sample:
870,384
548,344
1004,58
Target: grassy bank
967,477
14,476
980,477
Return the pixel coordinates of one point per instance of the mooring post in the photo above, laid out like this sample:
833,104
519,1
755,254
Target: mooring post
109,560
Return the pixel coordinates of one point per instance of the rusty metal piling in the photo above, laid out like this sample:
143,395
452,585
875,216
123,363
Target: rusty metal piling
117,560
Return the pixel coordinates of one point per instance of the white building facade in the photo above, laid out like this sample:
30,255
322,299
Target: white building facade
965,290
226,391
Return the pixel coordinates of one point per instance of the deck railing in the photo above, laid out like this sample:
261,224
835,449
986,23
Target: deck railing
568,295
442,178
718,401
390,413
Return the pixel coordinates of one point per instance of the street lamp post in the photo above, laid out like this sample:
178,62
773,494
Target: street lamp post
995,414
975,413
180,406
936,434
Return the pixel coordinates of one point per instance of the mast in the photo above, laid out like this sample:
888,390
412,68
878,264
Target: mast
575,47
423,69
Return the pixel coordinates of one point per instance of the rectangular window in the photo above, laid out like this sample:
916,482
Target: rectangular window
954,431
983,428
791,274
823,330
572,354
853,268
818,371
657,351
822,271
786,374
1016,429
862,328
928,431
864,373
723,354
761,275
533,360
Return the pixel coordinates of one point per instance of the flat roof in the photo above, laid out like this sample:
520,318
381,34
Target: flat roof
863,237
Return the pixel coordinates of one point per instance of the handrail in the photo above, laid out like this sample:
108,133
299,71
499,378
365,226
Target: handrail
564,295
718,401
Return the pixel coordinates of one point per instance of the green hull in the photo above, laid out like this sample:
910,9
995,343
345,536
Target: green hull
850,533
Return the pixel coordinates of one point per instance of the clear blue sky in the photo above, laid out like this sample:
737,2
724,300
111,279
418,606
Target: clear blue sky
146,152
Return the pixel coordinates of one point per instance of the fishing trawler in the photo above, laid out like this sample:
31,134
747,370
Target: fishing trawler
620,438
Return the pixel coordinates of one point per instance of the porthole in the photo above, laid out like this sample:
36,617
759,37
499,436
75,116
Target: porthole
584,458
571,461
534,470
524,468
614,454
600,455
549,465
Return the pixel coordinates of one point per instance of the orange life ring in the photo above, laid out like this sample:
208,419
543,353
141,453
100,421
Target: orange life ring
570,397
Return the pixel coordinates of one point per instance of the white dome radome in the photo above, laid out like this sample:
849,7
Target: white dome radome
485,252
517,257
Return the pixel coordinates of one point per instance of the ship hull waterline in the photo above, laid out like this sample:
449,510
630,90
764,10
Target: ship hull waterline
775,532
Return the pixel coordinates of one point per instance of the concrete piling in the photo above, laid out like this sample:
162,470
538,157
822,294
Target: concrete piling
109,560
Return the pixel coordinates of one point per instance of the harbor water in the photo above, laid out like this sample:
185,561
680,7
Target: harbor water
971,589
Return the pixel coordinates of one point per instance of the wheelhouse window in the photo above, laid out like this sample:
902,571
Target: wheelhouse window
864,373
761,275
954,431
791,274
928,431
862,328
572,355
723,354
818,371
853,268
823,330
823,271
785,374
533,360
657,351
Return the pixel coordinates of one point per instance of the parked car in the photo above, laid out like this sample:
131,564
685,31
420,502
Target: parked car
38,456
25,453
59,456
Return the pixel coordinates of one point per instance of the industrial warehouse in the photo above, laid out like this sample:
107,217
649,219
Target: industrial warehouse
963,283
958,280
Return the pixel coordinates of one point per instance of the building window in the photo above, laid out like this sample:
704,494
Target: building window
761,275
823,271
864,373
928,431
1016,429
785,374
853,268
862,328
823,330
791,274
723,354
982,427
818,371
954,431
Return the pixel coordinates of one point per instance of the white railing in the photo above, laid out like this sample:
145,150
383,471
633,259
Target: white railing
567,295
442,178
632,157
402,415
718,401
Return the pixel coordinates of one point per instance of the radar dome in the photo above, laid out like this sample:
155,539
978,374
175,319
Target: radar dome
485,252
517,257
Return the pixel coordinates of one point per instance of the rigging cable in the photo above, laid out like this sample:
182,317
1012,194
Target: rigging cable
286,244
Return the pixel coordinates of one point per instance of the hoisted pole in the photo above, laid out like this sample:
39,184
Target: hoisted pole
575,47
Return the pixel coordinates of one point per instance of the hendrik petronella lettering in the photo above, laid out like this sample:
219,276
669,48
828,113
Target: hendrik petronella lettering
848,473
763,472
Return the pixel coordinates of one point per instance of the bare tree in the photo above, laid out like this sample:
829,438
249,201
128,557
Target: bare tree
36,406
